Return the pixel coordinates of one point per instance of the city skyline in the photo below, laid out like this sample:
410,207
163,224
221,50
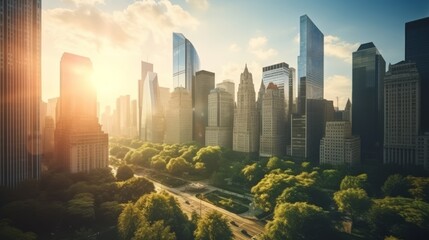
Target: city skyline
118,46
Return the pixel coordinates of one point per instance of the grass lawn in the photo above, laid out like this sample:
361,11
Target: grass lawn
167,180
224,201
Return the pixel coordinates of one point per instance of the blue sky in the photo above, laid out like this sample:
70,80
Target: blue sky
116,35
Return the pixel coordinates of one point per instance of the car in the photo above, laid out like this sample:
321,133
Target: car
233,223
187,202
244,232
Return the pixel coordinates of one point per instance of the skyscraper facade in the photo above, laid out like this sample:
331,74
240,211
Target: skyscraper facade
179,117
279,75
310,62
229,86
186,63
401,113
367,98
152,116
123,110
417,50
220,118
20,93
246,117
204,82
145,69
272,140
80,145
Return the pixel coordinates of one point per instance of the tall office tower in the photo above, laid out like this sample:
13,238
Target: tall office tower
51,109
417,50
310,63
229,86
401,113
367,98
220,118
179,117
186,63
106,121
80,145
164,97
145,69
19,91
308,130
246,117
123,111
293,93
259,101
204,82
272,141
133,119
152,116
279,75
48,138
339,147
347,114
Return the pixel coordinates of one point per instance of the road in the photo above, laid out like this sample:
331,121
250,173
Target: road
189,203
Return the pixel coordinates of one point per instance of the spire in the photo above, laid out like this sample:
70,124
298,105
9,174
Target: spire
245,68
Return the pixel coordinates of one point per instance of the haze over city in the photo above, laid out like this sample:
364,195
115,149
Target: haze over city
117,35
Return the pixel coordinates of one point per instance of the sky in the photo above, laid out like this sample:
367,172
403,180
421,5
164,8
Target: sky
227,34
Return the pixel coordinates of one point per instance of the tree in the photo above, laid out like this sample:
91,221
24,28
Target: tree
213,226
155,231
294,194
396,185
147,154
8,232
253,173
331,178
210,156
353,201
108,212
162,206
124,173
134,188
419,187
129,221
135,158
178,166
299,221
274,163
158,162
81,209
128,158
359,181
101,175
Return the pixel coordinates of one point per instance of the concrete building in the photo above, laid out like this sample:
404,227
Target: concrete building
204,82
133,119
246,117
123,110
229,86
220,118
272,141
80,145
20,91
145,69
179,117
339,147
152,115
367,98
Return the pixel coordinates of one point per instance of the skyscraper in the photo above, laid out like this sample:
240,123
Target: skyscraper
133,119
279,75
186,63
204,82
417,50
20,91
246,117
178,129
272,141
401,113
229,86
80,145
145,69
310,62
152,116
367,98
220,118
123,111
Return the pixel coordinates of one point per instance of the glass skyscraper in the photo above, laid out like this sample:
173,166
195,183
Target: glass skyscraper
279,75
367,98
310,62
417,50
186,62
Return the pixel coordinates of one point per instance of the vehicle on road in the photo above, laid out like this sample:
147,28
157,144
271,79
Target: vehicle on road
233,223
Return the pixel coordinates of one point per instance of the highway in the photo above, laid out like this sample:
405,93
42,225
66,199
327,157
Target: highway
189,203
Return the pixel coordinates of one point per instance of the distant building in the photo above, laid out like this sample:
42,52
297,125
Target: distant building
246,117
51,109
229,86
401,114
48,139
220,118
80,145
204,82
417,51
367,97
272,141
145,69
133,119
339,147
123,110
20,51
179,117
164,97
310,63
152,117
293,92
107,121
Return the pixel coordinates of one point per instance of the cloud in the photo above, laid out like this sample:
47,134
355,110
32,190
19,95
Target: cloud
85,2
338,86
234,47
257,47
296,38
335,47
200,4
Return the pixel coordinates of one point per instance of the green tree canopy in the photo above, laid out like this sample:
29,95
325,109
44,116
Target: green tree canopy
134,188
213,226
253,173
178,166
396,185
353,201
299,221
359,181
124,173
210,156
129,221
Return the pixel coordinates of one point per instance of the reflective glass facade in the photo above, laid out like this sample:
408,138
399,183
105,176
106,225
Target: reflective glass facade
310,60
185,62
279,75
152,119
367,98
